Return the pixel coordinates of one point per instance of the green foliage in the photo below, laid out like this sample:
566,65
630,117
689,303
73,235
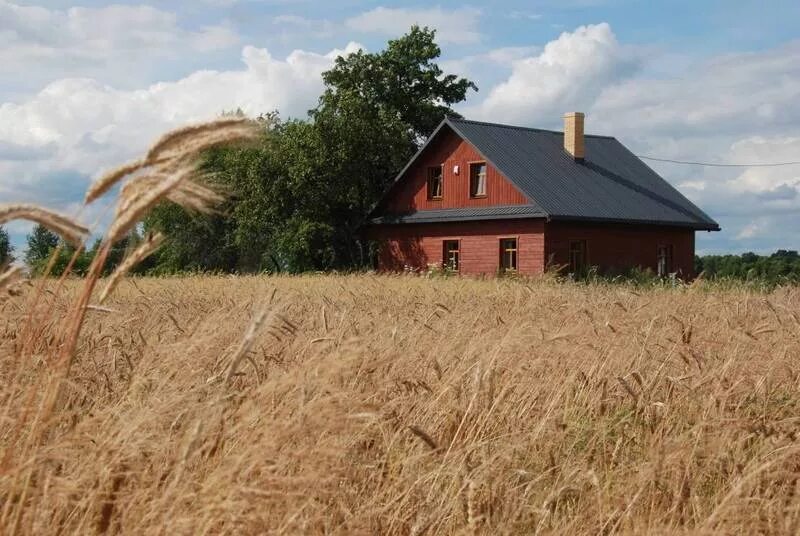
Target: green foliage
402,81
305,244
779,267
196,242
751,271
297,199
6,250
80,265
43,243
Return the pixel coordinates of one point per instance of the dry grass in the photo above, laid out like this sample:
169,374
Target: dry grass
402,405
148,246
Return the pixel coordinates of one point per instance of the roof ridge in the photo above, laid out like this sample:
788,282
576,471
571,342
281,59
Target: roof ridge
517,127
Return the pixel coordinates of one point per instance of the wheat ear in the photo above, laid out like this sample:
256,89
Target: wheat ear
246,342
172,141
138,255
177,145
69,229
110,178
192,146
194,196
126,219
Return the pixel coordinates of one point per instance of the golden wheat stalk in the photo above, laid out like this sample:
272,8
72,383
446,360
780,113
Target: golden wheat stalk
175,147
147,248
10,276
247,342
106,181
201,191
129,217
177,153
176,140
188,194
194,146
110,178
134,190
68,229
188,201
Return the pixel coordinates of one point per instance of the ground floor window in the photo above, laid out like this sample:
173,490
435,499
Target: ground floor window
451,254
577,256
664,260
508,254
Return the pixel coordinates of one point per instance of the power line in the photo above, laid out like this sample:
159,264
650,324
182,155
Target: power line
768,164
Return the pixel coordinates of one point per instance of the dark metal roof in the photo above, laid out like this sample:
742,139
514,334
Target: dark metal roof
611,184
463,214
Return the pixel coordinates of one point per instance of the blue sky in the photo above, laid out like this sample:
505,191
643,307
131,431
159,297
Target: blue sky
84,86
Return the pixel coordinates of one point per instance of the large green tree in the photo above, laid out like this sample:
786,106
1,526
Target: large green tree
403,82
41,243
297,199
5,248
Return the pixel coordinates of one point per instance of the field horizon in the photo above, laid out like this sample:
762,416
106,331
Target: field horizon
367,404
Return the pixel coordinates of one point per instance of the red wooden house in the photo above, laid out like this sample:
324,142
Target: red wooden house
482,198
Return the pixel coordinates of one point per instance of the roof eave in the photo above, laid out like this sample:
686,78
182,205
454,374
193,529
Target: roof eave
482,217
697,226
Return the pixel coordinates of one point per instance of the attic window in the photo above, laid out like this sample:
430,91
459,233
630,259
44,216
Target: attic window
435,182
477,179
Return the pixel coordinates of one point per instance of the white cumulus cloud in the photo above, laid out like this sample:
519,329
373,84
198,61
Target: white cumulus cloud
458,26
42,42
76,127
566,75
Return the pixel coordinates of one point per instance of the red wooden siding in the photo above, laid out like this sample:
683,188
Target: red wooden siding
419,245
411,194
618,248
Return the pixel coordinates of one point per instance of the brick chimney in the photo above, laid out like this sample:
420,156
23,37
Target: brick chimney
573,134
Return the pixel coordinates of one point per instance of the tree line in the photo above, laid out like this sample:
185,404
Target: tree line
781,266
45,249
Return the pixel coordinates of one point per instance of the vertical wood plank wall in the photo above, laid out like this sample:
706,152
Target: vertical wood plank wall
411,194
617,248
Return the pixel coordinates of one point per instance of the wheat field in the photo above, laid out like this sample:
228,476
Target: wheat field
368,404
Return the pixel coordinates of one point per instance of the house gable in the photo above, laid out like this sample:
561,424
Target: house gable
454,154
530,174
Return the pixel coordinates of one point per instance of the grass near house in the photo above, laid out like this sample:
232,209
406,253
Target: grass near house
402,405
